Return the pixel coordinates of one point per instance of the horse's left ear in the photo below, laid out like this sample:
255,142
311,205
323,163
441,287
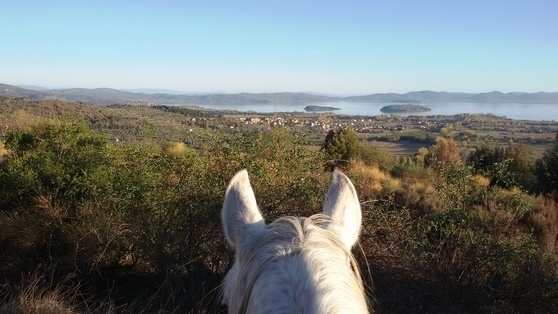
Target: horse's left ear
242,220
342,205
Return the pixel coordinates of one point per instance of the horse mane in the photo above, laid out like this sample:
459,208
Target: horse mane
296,266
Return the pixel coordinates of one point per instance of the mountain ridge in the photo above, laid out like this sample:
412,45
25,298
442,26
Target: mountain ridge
108,96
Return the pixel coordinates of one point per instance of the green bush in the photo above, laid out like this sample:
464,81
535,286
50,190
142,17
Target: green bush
76,202
341,144
547,170
373,155
52,160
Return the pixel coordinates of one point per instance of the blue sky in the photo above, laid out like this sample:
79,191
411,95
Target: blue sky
333,47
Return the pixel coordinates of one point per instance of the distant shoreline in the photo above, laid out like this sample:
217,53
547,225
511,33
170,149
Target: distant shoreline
535,112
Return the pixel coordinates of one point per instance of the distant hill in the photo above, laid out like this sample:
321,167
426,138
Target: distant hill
14,91
265,98
33,87
154,91
107,96
99,96
412,97
439,97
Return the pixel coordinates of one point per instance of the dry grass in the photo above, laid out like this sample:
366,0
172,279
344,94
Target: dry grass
40,294
53,209
20,232
35,295
544,217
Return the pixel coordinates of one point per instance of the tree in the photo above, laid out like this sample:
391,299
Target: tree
444,152
546,169
341,144
507,167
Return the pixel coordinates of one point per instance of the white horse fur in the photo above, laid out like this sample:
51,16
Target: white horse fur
293,265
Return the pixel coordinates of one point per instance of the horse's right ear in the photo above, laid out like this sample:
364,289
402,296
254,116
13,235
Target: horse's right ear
242,220
342,205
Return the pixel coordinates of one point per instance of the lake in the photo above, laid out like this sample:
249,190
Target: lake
514,111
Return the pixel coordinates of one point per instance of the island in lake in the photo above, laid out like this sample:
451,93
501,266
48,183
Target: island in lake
404,108
319,108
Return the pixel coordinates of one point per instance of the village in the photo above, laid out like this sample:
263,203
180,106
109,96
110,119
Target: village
470,129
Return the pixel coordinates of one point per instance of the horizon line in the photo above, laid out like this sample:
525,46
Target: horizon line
222,92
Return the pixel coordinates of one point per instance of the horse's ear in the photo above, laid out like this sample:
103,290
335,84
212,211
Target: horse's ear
342,205
242,220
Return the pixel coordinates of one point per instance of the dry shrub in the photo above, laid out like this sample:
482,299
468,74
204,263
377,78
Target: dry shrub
419,195
512,201
446,151
480,180
3,150
544,218
390,186
20,238
23,120
94,240
371,181
504,210
175,148
3,153
100,240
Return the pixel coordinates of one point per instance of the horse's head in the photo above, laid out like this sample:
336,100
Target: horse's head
293,265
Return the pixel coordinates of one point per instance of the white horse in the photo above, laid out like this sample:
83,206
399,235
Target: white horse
293,265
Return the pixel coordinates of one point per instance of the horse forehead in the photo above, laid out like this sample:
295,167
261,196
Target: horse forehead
283,237
298,231
295,258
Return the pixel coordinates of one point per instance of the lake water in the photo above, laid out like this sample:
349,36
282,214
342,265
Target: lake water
538,112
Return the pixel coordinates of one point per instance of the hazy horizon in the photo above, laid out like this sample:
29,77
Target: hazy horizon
148,90
319,47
